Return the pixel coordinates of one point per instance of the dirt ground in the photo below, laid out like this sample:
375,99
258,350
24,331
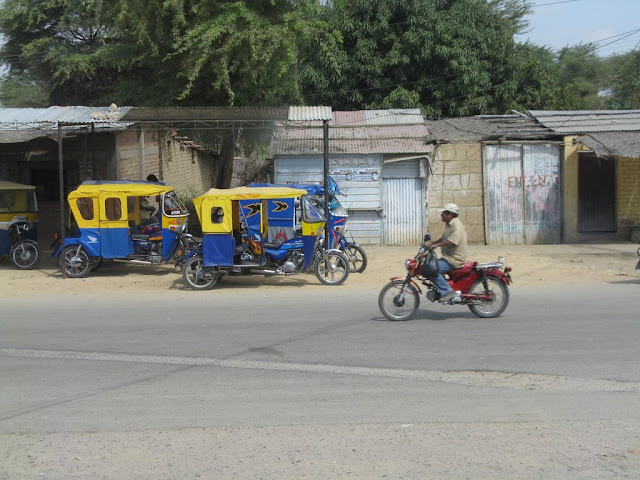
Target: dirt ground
532,265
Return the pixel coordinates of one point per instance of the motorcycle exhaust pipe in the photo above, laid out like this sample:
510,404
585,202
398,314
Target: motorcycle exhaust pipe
138,262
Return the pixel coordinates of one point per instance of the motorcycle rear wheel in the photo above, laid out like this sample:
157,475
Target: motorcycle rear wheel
332,268
357,258
25,254
395,307
198,277
74,263
499,302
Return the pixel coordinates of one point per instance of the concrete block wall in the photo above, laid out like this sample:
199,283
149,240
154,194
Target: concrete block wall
457,177
628,196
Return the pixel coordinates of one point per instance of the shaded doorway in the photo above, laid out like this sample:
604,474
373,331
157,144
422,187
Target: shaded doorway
596,194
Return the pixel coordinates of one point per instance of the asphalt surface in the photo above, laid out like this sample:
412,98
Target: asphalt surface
291,383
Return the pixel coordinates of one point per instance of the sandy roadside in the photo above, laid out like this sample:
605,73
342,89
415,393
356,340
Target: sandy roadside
532,265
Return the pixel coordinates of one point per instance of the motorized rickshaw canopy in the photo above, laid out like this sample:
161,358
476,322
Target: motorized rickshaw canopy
222,198
4,185
133,188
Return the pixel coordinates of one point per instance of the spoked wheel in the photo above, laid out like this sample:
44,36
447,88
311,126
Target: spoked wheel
198,277
357,258
332,268
74,262
499,300
25,254
396,305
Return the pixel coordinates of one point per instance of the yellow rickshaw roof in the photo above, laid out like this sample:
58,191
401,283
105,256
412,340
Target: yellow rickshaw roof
136,189
4,185
248,193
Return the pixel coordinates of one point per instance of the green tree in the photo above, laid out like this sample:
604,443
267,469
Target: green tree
451,58
625,81
582,77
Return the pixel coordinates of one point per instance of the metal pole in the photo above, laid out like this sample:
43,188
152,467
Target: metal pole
325,134
61,186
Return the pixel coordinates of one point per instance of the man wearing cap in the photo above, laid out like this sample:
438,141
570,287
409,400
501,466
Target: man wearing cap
453,245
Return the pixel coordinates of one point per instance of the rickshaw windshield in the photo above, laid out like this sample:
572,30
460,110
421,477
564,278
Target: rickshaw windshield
23,201
172,205
310,213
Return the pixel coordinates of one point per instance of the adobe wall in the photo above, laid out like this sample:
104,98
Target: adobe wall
456,176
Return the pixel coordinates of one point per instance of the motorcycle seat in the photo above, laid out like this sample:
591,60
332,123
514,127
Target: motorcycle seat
463,270
271,245
139,237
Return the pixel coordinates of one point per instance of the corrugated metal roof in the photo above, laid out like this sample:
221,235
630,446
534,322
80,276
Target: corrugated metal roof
297,114
350,132
613,144
23,116
394,116
20,125
584,121
185,114
486,128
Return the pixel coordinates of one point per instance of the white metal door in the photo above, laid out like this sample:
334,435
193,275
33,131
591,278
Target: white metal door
404,210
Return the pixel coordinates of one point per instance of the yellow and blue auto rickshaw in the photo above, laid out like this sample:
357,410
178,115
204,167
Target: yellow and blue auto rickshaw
107,223
19,224
253,229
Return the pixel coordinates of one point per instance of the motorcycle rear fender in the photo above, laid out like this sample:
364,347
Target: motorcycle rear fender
498,273
413,282
191,254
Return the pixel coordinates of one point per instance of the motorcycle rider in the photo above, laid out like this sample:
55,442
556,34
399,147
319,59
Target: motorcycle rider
453,245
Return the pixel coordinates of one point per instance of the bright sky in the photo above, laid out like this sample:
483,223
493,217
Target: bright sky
561,23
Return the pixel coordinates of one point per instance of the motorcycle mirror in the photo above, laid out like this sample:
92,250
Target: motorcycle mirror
427,237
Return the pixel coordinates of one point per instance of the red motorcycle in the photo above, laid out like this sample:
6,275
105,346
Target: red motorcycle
480,286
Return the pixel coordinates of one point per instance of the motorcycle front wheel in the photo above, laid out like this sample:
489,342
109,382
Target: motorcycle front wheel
74,262
198,277
397,306
25,255
499,298
357,258
332,268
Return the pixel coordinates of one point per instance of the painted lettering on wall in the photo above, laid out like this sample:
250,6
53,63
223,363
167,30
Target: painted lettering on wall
531,181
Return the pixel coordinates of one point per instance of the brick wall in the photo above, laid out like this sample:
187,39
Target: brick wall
189,170
457,177
628,196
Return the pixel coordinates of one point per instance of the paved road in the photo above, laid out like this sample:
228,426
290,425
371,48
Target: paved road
252,385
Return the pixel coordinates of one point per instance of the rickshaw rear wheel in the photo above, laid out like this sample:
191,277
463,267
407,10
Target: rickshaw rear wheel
198,277
74,262
25,254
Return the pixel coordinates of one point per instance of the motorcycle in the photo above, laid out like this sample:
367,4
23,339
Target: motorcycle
18,224
483,287
252,229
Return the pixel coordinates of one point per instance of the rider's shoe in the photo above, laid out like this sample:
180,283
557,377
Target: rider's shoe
448,296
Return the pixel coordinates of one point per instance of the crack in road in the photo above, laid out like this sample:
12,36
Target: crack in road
475,378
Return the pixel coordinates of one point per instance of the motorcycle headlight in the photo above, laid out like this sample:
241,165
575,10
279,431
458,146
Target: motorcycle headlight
408,263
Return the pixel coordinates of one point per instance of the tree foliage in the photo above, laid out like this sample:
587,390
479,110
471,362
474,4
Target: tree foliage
447,57
451,58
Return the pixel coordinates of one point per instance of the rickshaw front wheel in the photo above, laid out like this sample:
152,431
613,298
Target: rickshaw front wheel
198,277
332,268
74,262
25,254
